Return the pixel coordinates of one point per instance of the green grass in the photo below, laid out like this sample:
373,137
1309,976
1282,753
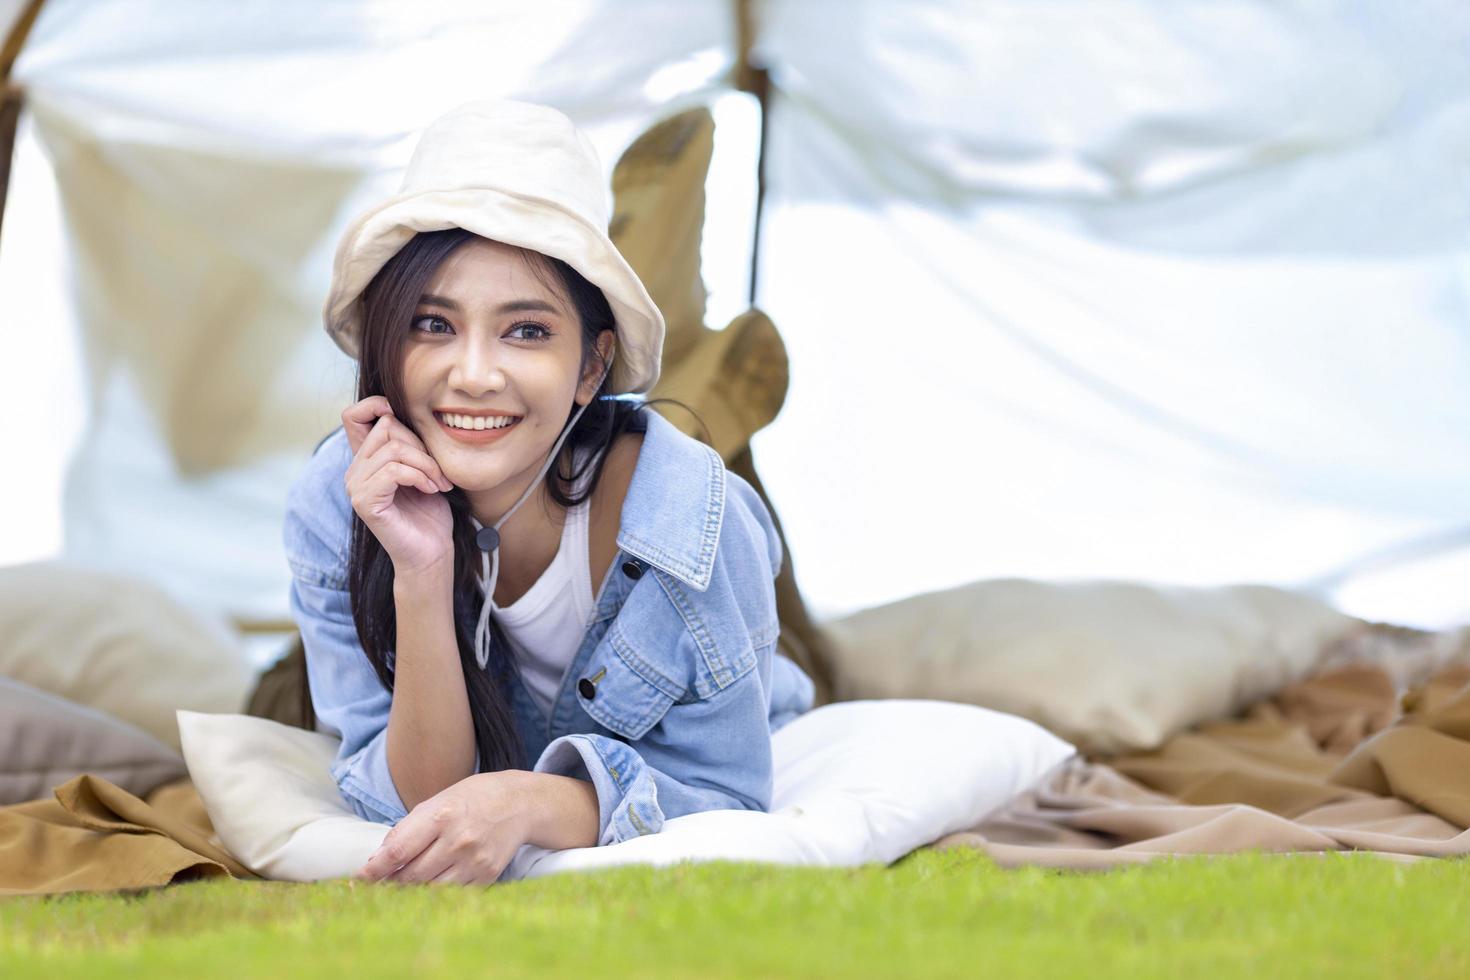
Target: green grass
950,913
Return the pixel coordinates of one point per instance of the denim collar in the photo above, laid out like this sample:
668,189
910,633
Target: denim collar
675,503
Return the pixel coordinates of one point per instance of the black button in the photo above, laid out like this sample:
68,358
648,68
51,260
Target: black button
587,686
632,569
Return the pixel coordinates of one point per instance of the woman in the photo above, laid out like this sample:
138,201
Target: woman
534,612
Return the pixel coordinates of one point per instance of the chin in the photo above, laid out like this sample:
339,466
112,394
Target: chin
469,473
469,476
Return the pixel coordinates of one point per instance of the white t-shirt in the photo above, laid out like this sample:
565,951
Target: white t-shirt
546,625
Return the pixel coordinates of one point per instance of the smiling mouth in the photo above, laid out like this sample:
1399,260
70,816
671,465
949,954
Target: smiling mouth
490,433
475,423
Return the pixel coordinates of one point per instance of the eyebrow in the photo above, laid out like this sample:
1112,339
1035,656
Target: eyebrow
514,306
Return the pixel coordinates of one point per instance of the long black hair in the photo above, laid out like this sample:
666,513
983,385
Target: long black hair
389,303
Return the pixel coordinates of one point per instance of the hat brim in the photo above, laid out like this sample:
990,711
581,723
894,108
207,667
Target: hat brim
526,222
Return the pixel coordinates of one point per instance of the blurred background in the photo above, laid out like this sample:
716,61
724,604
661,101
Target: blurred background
1136,289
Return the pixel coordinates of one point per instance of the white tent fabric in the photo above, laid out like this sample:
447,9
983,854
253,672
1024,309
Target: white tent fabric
1140,289
1150,290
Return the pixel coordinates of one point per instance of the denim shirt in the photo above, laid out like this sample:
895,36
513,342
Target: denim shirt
680,660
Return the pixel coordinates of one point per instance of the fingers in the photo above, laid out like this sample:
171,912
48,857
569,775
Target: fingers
419,460
476,863
359,417
387,430
406,841
435,860
378,437
404,475
369,478
465,873
460,870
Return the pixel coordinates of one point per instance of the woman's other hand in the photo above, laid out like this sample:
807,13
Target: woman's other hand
467,833
395,486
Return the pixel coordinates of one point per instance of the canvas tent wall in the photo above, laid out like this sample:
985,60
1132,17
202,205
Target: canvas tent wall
1173,292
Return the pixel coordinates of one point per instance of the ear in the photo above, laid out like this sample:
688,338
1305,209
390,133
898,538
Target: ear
592,377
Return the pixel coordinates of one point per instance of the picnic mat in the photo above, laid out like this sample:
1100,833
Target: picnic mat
1347,759
1365,755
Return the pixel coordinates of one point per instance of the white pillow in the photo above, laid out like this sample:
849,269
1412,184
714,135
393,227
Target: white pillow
1110,666
854,782
117,644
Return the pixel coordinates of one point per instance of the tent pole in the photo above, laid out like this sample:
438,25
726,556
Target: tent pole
757,81
11,96
801,639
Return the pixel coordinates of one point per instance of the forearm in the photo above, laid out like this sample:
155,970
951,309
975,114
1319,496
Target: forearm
431,737
563,812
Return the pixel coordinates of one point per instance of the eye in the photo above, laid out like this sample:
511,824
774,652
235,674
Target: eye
544,334
432,320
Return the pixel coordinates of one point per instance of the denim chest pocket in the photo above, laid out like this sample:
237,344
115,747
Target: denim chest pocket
622,691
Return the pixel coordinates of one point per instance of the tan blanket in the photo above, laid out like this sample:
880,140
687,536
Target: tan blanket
1349,759
96,836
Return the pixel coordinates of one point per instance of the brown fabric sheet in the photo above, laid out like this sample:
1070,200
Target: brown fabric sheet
1357,757
95,836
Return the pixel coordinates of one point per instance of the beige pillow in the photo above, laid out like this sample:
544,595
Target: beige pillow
49,740
270,796
1108,666
117,644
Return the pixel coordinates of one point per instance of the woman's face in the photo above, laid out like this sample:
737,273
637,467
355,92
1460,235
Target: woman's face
488,340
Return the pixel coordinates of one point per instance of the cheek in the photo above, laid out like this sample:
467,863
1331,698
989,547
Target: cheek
548,389
415,373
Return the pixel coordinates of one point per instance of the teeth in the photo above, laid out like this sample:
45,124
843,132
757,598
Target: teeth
478,421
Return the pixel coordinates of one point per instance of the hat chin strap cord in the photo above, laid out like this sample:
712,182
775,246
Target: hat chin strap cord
488,538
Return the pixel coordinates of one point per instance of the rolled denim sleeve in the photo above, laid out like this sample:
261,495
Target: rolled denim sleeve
719,746
346,694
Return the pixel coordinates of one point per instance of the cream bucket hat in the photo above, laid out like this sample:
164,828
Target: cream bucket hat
516,173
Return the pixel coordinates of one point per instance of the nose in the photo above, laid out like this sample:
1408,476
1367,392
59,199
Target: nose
477,370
